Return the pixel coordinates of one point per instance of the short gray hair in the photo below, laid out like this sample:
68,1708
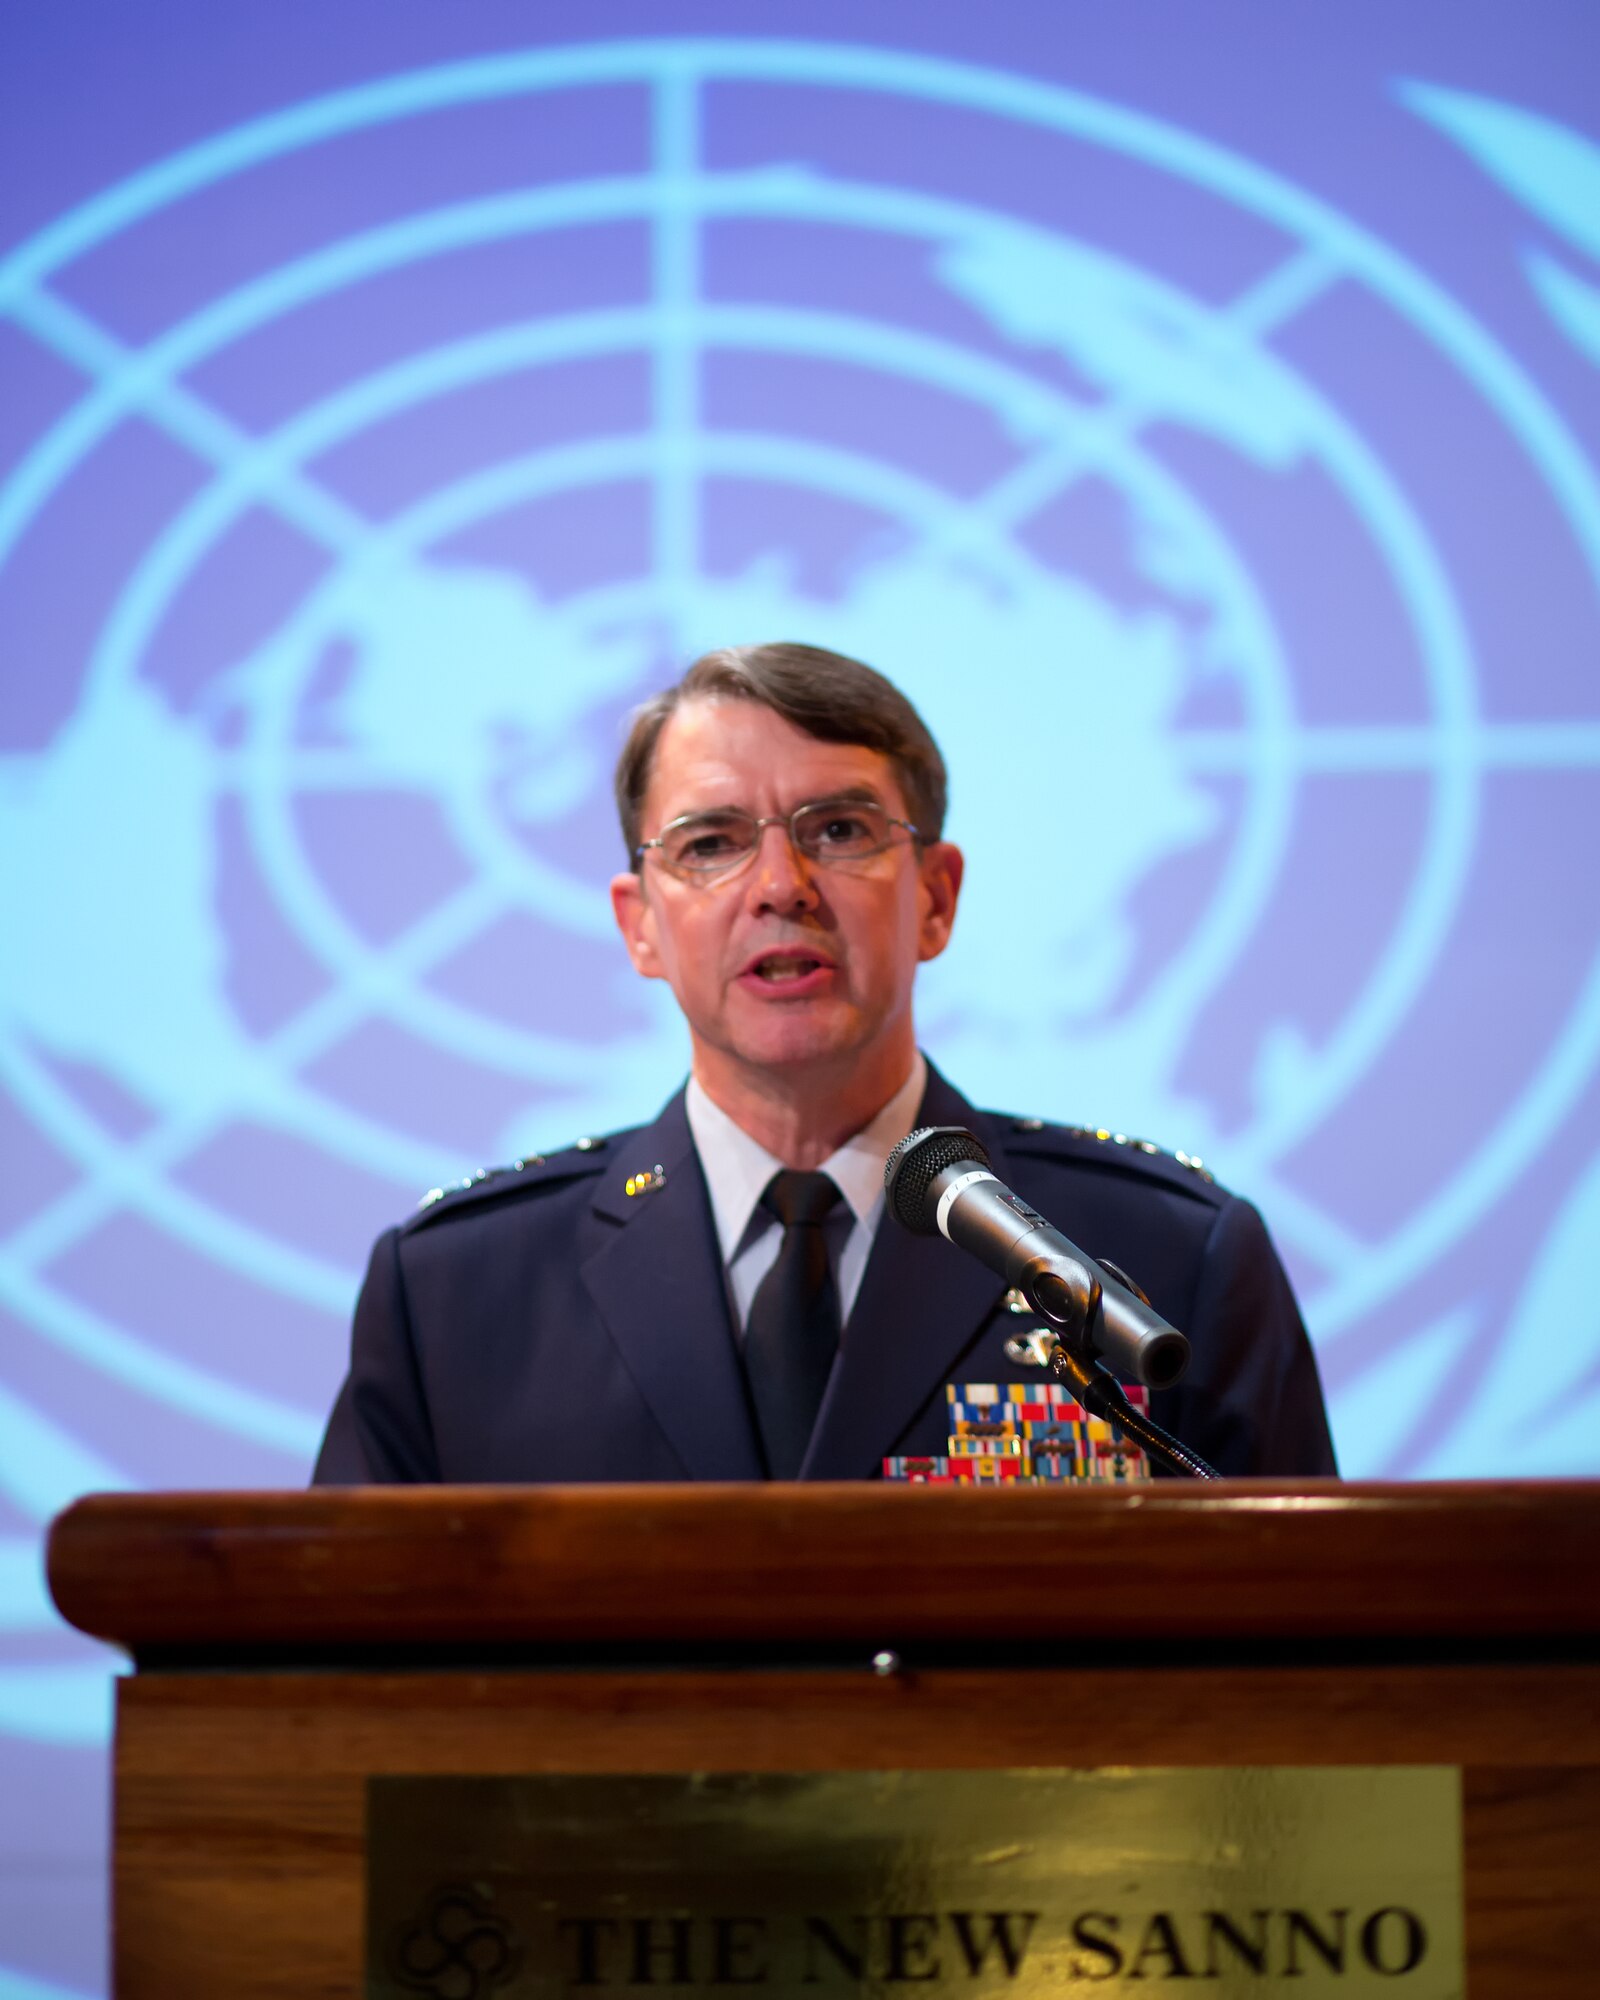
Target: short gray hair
825,695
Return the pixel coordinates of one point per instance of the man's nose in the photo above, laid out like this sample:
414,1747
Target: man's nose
781,876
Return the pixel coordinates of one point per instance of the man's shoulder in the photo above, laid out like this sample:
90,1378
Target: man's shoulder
1098,1150
534,1178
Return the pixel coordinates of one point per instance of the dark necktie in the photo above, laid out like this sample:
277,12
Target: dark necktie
793,1331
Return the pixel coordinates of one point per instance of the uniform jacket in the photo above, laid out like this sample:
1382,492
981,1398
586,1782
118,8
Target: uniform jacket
544,1323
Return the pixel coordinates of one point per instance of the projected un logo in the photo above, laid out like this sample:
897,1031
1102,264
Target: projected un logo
373,541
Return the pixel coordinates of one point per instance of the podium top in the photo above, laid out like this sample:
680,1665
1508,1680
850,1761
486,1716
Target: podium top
174,1577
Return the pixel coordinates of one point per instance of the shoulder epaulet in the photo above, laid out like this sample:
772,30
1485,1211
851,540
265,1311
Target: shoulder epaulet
1039,1135
533,1170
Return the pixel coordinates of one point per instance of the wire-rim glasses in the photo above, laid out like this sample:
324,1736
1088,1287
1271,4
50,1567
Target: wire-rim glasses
834,832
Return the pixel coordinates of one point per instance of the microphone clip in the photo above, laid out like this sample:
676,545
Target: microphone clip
1070,1301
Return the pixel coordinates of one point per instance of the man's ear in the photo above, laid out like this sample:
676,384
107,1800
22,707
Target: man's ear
636,921
942,867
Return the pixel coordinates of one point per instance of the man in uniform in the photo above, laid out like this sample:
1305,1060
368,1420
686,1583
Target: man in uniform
720,1294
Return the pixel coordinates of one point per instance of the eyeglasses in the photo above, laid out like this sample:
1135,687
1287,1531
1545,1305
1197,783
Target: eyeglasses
832,831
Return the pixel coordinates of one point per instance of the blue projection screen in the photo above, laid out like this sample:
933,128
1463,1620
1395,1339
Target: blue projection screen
1194,407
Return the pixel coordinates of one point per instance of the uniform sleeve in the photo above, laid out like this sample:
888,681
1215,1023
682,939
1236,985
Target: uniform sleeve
379,1432
1252,1403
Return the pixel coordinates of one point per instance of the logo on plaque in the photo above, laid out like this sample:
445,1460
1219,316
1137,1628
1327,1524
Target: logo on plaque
459,1948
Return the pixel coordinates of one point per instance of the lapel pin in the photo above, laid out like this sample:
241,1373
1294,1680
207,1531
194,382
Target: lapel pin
646,1180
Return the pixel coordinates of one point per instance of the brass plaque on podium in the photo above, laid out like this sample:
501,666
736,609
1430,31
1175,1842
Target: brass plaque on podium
1112,1882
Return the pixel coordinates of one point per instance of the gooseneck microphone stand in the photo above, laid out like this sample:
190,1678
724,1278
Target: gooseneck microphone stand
1098,1390
1095,1387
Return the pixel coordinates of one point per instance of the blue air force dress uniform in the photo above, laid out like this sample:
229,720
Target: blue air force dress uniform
568,1319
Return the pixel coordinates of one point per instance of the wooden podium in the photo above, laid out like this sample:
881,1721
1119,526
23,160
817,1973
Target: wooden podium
288,1647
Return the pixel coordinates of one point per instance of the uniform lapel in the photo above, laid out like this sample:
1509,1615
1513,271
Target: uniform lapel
921,1304
659,1288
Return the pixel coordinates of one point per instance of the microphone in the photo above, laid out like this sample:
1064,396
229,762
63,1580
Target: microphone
938,1182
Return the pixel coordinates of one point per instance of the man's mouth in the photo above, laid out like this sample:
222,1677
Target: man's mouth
787,968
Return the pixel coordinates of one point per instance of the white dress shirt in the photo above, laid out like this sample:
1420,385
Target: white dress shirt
737,1169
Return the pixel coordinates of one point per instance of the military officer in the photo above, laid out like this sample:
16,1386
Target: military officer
719,1294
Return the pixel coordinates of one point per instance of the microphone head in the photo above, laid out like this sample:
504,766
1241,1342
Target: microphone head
917,1162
